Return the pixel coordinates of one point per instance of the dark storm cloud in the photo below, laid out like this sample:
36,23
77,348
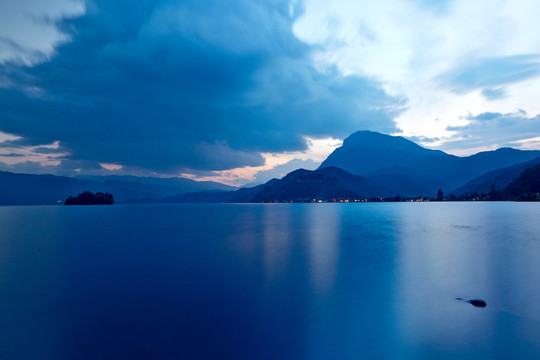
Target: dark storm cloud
167,85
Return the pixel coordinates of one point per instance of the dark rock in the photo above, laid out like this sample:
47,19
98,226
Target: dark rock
477,302
474,302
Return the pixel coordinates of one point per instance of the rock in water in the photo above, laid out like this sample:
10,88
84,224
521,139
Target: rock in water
475,302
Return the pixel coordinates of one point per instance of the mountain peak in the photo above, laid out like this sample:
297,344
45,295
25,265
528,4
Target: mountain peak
368,136
367,151
377,141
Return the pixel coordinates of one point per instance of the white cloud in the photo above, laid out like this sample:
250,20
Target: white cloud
517,130
409,48
45,155
8,137
111,167
27,31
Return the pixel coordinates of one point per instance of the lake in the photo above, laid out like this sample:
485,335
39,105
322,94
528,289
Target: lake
270,281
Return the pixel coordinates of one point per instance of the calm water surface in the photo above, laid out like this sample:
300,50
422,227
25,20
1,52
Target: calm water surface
276,281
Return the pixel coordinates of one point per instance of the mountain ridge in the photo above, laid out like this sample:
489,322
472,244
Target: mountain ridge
46,189
366,152
372,165
497,179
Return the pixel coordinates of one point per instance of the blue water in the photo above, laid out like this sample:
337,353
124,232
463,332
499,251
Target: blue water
270,281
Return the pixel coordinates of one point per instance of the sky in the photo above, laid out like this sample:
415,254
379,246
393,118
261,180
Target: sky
241,91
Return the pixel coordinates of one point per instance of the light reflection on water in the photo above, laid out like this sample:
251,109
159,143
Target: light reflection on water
289,281
324,232
277,242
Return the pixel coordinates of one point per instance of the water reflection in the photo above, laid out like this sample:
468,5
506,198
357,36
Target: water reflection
324,232
243,238
452,250
276,239
300,281
438,263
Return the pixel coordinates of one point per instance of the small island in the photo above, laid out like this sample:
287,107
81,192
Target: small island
89,198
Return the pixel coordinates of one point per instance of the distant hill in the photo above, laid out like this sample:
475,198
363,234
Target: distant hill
392,183
29,189
366,153
498,179
334,183
306,185
324,184
244,195
25,189
526,187
173,185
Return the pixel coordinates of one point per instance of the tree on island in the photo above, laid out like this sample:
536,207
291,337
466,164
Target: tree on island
89,198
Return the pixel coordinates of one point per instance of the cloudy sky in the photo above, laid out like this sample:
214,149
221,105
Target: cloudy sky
242,90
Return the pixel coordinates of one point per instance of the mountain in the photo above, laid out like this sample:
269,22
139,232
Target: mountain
369,153
243,195
29,189
334,183
324,184
305,185
365,151
394,183
369,164
526,187
498,179
25,189
487,161
173,185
